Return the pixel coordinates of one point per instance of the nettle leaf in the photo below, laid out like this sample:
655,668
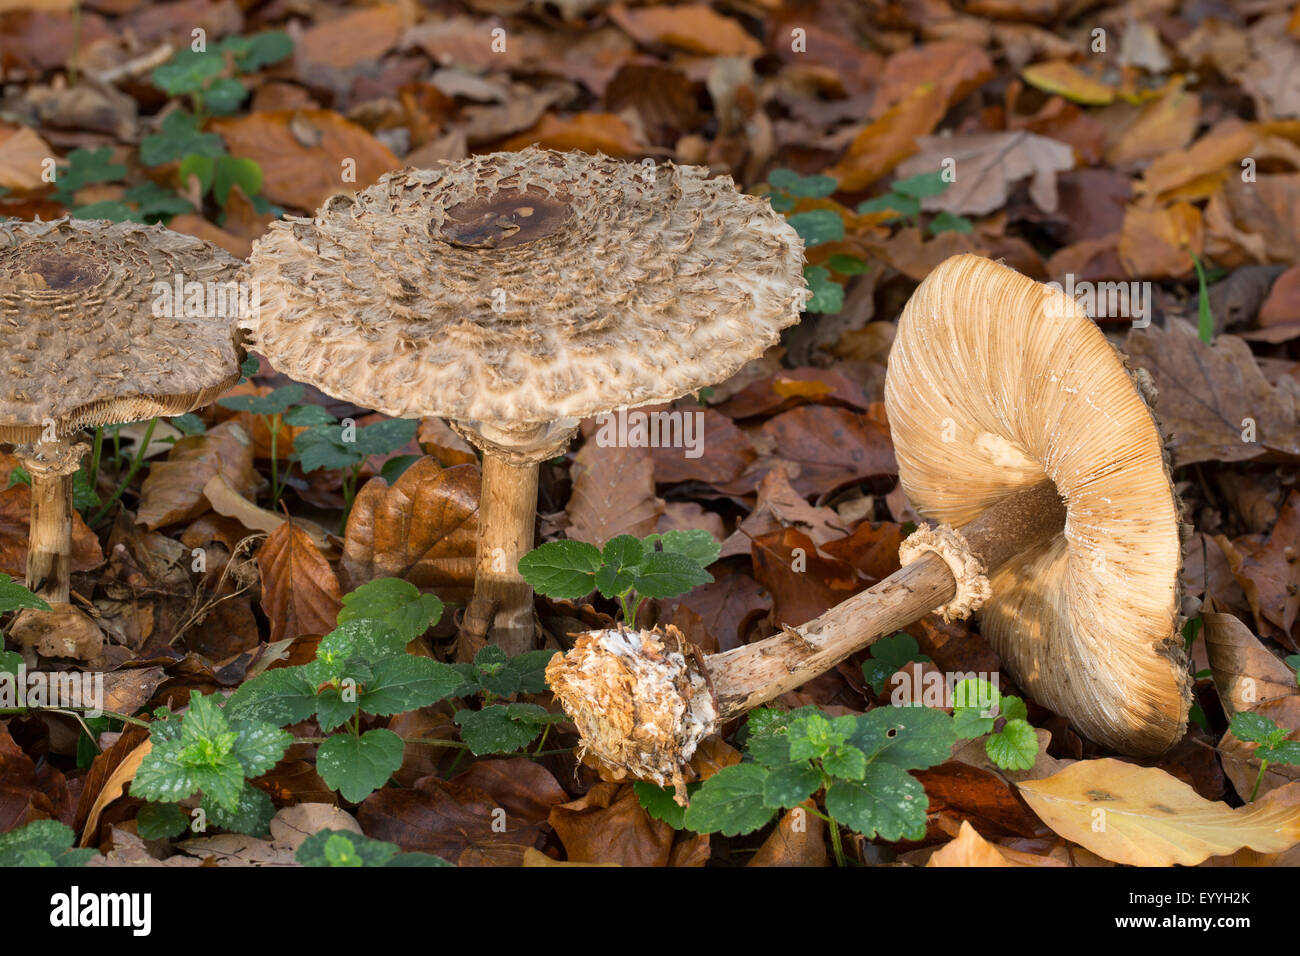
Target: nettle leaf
187,72
813,187
251,814
407,683
358,766
42,843
888,801
817,226
10,661
695,543
395,602
188,425
334,708
1015,747
665,574
524,674
731,801
1287,751
620,555
791,785
308,416
815,735
848,265
970,722
947,222
503,728
846,762
275,403
827,296
783,178
562,569
221,781
14,596
179,138
385,437
320,447
111,209
85,167
1255,728
260,746
888,656
161,821
910,738
344,848
280,697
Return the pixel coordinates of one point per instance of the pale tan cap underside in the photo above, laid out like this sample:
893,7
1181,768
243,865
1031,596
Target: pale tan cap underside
644,283
79,342
994,382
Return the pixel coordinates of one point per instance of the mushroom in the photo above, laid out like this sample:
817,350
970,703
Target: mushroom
1019,429
102,324
515,294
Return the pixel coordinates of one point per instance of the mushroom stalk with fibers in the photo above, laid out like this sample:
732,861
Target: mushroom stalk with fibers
648,710
52,467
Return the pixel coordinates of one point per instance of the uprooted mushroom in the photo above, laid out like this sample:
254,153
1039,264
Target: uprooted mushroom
84,345
1018,429
515,294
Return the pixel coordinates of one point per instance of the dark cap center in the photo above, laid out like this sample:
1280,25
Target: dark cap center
62,271
507,219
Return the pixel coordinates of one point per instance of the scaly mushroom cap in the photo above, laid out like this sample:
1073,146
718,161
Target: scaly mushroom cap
516,289
79,338
994,382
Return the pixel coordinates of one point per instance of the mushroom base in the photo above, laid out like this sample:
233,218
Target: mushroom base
639,699
52,466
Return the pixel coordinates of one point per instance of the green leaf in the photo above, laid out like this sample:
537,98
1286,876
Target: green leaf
970,722
848,265
111,209
1015,747
395,602
902,207
1293,662
888,801
659,803
161,821
10,661
813,736
502,728
200,166
525,674
783,178
358,766
827,296
624,551
86,167
232,171
342,848
731,801
407,683
251,815
255,52
921,186
976,694
1012,708
280,697
910,738
188,424
1255,728
846,762
1287,751
781,203
321,447
14,596
396,466
665,574
187,72
888,656
385,437
947,222
307,416
42,843
694,543
817,226
260,746
334,708
179,138
562,569
1205,318
276,403
813,187
224,95
791,785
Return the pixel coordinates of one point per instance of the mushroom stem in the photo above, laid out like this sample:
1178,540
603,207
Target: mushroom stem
750,675
503,601
52,466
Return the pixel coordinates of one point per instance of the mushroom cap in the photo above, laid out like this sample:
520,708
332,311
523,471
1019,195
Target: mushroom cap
994,382
79,339
517,289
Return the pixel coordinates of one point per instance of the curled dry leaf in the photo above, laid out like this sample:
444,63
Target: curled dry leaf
971,849
1244,671
173,491
300,593
799,839
114,786
691,26
882,145
62,631
1143,816
423,529
989,163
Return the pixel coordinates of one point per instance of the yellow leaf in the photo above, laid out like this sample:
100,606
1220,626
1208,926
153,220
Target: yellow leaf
1142,816
1069,81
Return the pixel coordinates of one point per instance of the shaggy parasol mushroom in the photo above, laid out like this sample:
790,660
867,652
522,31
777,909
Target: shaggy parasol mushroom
83,344
514,294
1015,421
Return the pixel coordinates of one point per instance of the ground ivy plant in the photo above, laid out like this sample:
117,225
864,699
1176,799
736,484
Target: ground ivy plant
628,568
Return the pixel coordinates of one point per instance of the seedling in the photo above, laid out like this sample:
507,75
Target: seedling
979,709
628,568
1272,740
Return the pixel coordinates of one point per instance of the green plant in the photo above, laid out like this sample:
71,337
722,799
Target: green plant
42,843
15,597
1205,318
362,668
628,568
903,202
1273,746
330,445
209,752
889,655
978,709
858,762
343,848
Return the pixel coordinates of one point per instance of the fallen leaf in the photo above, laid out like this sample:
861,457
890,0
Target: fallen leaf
226,501
1066,79
692,26
588,132
114,786
832,446
1221,147
15,525
62,631
1158,241
1142,816
352,39
609,825
882,145
22,157
799,839
172,492
1245,673
300,593
971,849
720,452
953,67
613,493
987,164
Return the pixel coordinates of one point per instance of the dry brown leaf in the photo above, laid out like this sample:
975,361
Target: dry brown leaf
613,493
356,37
987,164
15,525
1142,816
173,490
307,155
1244,671
193,225
534,858
114,787
588,132
882,145
226,501
22,155
62,631
953,67
1158,241
1066,79
609,825
1212,395
1222,146
971,849
423,529
798,840
1164,125
696,27
300,593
